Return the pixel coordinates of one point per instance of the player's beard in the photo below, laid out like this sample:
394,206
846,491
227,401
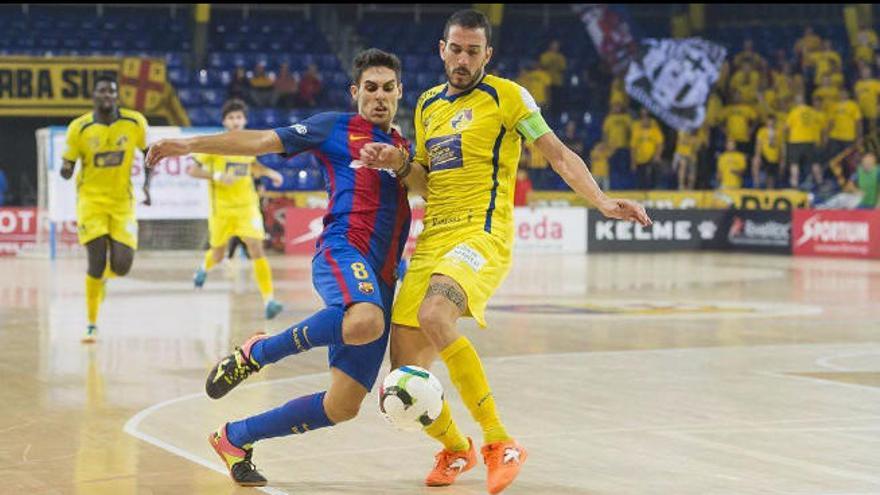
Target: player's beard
471,83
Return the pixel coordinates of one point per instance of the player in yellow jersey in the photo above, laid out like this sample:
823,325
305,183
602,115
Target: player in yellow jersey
235,207
105,141
468,135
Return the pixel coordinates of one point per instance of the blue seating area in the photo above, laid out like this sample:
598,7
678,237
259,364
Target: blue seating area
268,37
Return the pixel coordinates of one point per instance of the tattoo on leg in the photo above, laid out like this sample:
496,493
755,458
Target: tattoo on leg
450,292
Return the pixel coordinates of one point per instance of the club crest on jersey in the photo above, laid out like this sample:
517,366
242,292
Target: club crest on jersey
300,129
462,119
121,141
366,287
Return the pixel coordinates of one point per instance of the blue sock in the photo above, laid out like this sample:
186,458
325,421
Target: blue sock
297,416
321,329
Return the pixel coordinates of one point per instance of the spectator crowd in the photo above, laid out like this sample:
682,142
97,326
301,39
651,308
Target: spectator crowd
287,89
787,122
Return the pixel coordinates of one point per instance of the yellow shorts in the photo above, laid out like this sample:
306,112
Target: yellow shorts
96,220
478,261
246,222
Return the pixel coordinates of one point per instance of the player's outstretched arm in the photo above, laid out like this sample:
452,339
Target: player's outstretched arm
67,167
250,143
382,155
574,171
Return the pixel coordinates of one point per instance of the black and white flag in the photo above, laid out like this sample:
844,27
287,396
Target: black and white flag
673,77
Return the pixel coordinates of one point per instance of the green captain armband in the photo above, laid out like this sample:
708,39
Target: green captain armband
532,126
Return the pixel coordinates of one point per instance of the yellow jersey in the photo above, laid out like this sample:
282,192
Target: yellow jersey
599,162
824,61
536,83
739,118
645,142
616,128
746,84
804,125
241,192
808,43
555,64
769,142
865,45
731,165
618,93
827,95
686,144
471,144
866,93
107,153
845,119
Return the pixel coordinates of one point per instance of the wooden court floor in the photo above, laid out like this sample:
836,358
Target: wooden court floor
623,374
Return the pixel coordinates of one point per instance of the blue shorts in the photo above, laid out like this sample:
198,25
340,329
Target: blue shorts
343,277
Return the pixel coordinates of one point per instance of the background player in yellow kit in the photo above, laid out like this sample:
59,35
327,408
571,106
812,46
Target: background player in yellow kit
468,136
105,141
235,207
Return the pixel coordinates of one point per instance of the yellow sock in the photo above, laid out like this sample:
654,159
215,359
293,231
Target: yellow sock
209,260
445,431
466,373
263,276
93,297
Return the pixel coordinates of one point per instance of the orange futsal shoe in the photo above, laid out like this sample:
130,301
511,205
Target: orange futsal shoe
450,464
503,461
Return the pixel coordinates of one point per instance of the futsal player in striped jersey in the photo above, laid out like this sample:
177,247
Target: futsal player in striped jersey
354,268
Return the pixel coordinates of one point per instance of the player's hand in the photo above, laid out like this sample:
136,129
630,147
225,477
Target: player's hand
165,148
624,209
381,155
276,178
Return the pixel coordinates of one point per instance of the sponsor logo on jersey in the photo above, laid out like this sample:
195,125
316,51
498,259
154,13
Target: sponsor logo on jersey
462,119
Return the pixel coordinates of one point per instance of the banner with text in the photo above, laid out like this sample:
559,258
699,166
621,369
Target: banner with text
556,230
62,86
687,230
837,233
18,229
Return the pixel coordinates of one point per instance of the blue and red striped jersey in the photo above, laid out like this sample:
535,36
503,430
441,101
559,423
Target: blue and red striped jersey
368,208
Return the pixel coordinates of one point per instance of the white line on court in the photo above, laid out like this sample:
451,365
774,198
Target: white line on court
131,426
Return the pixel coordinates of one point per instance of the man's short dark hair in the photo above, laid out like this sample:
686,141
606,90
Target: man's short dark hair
234,105
374,57
105,78
469,19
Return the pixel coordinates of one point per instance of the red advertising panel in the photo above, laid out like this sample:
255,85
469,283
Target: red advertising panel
837,233
18,229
